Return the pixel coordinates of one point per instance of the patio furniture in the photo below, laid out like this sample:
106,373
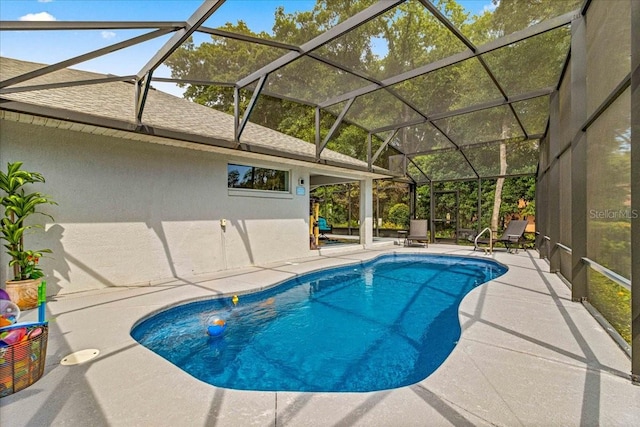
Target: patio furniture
512,236
417,233
324,227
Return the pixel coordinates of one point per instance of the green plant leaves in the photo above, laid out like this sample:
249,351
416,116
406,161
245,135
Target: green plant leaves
18,206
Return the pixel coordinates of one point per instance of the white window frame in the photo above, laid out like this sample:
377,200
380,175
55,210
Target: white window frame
252,192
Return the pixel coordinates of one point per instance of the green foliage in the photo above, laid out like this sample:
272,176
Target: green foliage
612,301
18,206
399,215
336,201
609,244
404,38
411,37
514,191
340,204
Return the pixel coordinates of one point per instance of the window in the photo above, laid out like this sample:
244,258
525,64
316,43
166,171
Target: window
256,178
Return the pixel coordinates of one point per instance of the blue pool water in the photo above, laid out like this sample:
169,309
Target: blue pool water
377,325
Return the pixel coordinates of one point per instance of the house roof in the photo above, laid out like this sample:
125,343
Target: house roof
112,105
443,95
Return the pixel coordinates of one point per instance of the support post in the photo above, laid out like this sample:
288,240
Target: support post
479,222
349,212
413,205
334,128
541,197
555,145
249,110
236,110
318,141
635,192
369,155
366,212
377,217
432,208
579,291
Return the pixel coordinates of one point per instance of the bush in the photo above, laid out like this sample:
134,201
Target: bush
399,215
612,301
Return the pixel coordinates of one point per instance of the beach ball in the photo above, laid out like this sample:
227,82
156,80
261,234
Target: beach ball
216,326
9,311
4,295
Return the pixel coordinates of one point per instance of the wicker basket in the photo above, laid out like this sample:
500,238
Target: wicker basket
22,363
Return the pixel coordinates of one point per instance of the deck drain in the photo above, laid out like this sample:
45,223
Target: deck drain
80,357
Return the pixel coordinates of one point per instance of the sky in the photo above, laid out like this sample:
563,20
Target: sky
55,46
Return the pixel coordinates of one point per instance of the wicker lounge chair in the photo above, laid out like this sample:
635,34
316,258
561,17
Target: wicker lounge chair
417,232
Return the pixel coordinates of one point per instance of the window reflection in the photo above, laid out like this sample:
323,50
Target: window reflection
256,178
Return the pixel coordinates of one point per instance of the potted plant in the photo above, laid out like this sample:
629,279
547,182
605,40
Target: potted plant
17,206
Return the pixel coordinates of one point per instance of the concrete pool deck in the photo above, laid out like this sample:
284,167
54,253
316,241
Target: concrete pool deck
527,356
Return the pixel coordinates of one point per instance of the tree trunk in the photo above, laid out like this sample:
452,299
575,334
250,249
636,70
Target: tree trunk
497,200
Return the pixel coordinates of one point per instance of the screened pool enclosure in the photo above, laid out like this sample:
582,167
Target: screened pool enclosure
421,92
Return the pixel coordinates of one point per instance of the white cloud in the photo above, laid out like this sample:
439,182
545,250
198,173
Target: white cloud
108,35
41,16
45,1
490,7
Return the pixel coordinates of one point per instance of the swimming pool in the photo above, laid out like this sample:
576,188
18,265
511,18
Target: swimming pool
377,325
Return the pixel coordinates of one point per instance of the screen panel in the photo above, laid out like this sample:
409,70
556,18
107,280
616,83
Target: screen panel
608,49
530,64
609,187
492,124
456,86
533,114
444,165
399,40
380,109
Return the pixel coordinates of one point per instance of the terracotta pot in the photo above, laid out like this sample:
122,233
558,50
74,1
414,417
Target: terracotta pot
24,292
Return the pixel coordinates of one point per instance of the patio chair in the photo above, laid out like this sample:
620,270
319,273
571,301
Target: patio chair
324,227
417,232
512,236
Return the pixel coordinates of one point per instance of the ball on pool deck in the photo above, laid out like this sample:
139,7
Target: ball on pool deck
4,295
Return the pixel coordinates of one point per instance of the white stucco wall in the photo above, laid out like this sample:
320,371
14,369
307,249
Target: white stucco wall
132,212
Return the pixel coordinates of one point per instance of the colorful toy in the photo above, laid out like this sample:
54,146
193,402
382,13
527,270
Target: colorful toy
9,313
13,336
235,300
22,356
34,333
216,326
42,301
4,295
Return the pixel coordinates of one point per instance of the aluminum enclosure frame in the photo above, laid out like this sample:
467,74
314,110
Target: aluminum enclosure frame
196,23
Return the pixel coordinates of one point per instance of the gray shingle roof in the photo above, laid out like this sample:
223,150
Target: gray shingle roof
183,119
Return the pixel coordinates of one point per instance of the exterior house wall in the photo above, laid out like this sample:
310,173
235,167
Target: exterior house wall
132,212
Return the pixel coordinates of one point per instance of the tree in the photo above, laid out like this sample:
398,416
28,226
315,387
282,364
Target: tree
410,37
399,215
548,50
